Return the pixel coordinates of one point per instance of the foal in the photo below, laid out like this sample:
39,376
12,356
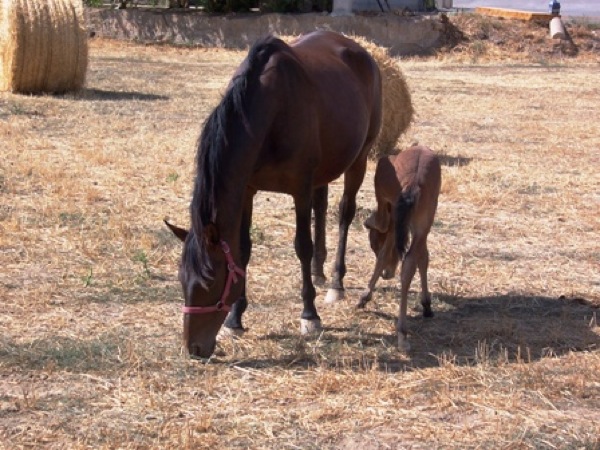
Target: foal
407,187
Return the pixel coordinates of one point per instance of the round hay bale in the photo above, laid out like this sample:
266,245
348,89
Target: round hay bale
397,104
43,46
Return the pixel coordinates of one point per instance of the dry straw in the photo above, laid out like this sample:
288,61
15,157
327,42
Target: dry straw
43,46
397,105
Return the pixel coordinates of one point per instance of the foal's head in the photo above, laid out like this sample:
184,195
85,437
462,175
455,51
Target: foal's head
377,240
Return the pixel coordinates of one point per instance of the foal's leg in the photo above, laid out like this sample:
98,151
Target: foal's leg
353,179
409,267
233,322
310,321
320,251
423,264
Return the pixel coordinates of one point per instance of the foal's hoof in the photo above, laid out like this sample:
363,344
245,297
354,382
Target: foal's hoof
229,333
364,299
310,326
334,295
427,312
403,344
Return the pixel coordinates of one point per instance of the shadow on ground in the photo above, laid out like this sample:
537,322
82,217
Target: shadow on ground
99,94
465,331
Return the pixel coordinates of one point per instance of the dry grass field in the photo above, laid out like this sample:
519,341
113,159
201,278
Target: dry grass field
90,351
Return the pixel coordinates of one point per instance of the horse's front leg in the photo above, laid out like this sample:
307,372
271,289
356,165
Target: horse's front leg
310,321
233,322
319,206
353,179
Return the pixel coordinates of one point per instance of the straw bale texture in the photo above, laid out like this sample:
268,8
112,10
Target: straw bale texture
397,105
43,46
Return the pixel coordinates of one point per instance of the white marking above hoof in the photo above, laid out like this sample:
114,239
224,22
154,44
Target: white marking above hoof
229,333
310,326
334,295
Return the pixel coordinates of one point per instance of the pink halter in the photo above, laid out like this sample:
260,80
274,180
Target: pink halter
234,271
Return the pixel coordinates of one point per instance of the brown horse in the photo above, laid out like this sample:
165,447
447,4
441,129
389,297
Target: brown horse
407,187
294,118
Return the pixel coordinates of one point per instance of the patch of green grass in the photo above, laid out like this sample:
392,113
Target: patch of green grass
71,218
88,279
141,257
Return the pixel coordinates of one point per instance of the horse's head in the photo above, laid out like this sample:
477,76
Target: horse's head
208,290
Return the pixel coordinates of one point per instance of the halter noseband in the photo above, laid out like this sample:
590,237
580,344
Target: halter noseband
234,271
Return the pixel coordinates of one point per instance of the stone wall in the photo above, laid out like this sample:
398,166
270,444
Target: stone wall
403,35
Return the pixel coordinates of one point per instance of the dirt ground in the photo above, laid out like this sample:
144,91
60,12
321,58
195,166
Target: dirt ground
473,36
90,351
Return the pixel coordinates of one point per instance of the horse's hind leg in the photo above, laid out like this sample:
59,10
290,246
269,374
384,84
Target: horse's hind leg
353,179
423,265
320,251
409,267
310,321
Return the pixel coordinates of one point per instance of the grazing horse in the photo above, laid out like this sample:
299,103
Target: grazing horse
294,118
407,187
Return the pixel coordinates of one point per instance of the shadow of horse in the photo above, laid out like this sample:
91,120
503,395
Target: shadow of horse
102,95
511,328
465,331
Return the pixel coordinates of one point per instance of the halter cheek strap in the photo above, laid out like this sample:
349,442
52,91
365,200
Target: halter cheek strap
232,278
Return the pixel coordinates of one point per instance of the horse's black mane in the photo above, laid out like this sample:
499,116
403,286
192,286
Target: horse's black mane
212,146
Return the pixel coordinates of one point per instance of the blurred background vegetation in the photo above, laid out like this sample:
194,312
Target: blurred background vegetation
222,6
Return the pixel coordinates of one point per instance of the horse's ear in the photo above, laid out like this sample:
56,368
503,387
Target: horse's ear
179,232
211,234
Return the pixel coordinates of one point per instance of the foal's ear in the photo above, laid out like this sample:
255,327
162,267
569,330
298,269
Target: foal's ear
179,232
375,222
211,234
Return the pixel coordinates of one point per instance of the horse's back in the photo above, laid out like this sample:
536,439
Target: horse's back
418,169
327,55
414,172
348,83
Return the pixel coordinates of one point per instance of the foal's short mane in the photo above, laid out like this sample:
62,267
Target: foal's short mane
212,148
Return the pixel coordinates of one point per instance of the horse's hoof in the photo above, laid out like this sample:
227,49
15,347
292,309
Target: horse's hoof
403,344
310,326
427,312
334,295
229,333
319,280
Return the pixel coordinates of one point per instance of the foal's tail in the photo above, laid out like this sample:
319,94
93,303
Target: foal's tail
403,210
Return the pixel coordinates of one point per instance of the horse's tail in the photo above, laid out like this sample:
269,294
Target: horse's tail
403,210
